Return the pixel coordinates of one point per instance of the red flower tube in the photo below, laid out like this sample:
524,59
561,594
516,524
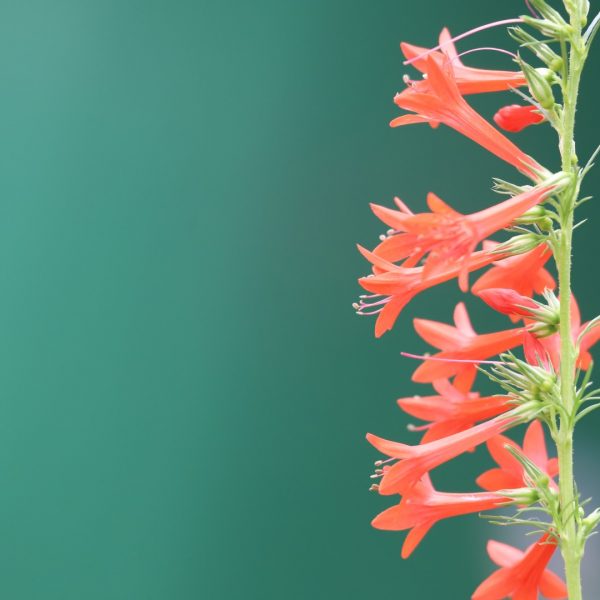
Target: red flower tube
452,410
437,99
415,461
461,347
424,506
445,236
394,286
522,574
523,273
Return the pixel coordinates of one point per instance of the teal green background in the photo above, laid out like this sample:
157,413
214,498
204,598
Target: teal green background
185,387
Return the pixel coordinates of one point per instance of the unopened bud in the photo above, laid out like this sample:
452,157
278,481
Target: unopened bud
589,523
557,64
519,244
538,85
533,215
549,27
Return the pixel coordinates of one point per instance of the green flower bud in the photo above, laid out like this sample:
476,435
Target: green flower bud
538,85
557,64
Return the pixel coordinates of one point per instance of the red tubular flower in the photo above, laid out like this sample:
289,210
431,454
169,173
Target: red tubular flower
510,472
415,461
394,286
523,273
446,236
452,410
522,574
508,302
437,99
468,79
424,506
461,346
515,118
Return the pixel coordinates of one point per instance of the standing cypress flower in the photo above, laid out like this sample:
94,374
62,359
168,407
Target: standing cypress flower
423,250
522,574
437,99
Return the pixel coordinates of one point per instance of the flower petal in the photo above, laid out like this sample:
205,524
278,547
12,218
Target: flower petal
552,586
506,461
534,445
504,555
496,587
462,320
414,537
439,335
497,479
392,449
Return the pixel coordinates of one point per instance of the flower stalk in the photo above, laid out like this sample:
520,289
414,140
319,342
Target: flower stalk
571,545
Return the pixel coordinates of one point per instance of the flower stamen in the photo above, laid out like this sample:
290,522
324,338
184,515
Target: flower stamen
462,36
451,360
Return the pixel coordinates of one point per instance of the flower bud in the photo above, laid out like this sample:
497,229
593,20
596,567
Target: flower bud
589,523
546,11
515,118
538,85
541,50
508,302
557,64
549,27
519,244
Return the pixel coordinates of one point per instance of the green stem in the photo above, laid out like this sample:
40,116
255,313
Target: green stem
569,507
568,501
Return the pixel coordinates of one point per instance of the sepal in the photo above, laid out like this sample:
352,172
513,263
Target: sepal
542,50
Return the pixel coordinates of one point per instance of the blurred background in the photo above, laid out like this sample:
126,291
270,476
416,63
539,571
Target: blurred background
185,387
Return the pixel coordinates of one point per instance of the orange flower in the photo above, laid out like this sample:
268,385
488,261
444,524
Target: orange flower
424,506
415,461
516,118
523,273
437,99
452,410
510,473
461,346
393,286
468,79
446,236
522,574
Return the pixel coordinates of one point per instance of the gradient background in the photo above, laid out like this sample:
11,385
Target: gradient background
185,387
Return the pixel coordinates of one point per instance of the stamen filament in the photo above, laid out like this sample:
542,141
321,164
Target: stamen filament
490,48
462,36
452,360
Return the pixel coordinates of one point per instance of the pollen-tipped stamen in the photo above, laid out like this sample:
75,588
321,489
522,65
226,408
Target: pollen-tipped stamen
379,305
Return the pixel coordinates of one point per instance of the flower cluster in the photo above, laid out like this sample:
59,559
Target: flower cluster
421,250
